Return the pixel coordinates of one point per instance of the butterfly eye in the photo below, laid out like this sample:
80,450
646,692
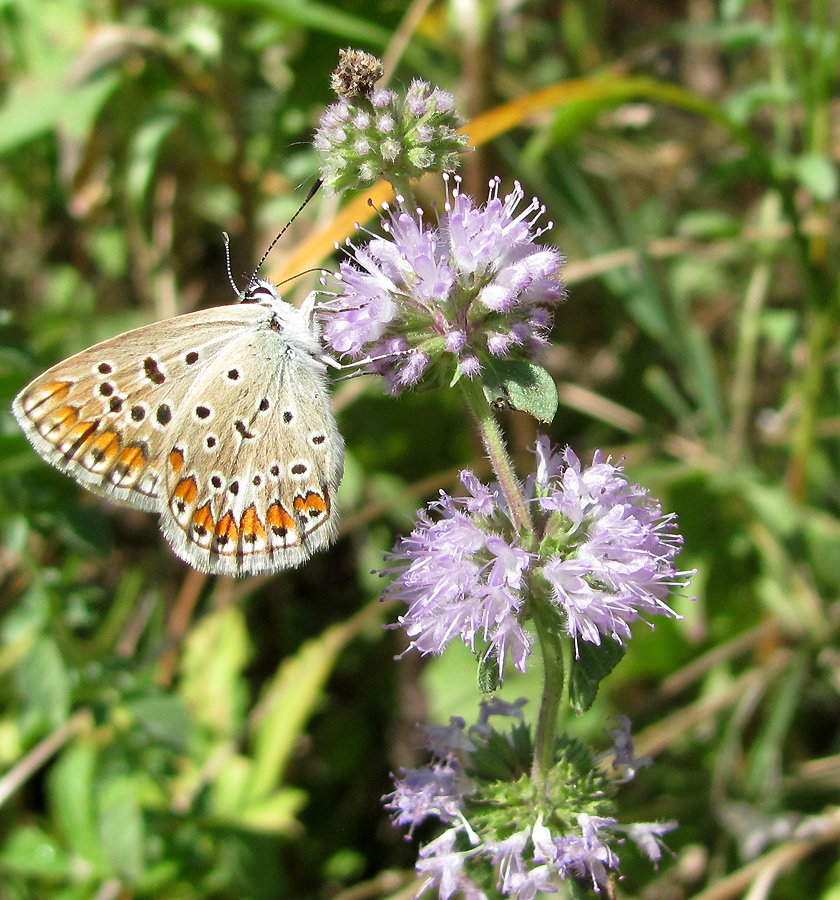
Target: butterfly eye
260,292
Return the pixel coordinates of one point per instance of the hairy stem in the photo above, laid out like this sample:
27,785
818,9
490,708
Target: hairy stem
403,188
553,690
494,444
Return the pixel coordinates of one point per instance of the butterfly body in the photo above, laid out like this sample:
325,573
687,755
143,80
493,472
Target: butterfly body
219,420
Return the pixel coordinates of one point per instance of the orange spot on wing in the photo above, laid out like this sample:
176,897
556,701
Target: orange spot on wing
312,505
103,449
132,458
176,459
52,391
278,520
251,527
202,521
227,533
55,423
129,465
186,491
77,438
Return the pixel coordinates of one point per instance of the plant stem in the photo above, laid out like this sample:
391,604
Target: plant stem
494,444
403,188
553,691
551,644
819,330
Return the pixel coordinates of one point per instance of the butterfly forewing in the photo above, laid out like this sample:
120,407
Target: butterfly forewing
219,420
100,416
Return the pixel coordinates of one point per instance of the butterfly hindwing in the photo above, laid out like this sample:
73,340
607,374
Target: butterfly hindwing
251,481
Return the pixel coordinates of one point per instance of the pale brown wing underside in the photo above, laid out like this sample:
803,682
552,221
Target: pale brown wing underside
214,419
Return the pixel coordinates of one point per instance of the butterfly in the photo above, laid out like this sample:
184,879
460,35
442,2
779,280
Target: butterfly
218,420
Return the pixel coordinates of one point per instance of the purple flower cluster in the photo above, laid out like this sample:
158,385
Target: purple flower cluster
532,858
617,548
364,138
603,559
475,287
463,578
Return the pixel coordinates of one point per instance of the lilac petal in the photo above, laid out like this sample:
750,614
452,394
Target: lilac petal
418,794
646,836
443,864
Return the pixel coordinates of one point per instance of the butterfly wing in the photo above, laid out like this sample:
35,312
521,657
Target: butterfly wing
103,415
219,420
252,477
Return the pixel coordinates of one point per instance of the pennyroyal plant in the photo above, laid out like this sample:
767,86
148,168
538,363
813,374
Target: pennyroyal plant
570,557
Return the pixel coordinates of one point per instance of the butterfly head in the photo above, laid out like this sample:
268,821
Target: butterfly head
261,291
298,325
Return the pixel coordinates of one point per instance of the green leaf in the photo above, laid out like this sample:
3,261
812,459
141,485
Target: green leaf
230,787
145,149
44,683
587,672
731,10
212,683
521,385
71,791
329,18
488,675
30,851
121,827
276,813
44,104
288,701
817,173
164,718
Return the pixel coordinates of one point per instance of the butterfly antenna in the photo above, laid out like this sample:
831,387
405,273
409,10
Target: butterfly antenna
299,274
309,196
226,238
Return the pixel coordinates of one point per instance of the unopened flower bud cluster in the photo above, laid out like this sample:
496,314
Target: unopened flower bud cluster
388,135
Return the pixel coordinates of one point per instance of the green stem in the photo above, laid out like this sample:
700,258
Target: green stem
404,188
494,444
553,692
820,326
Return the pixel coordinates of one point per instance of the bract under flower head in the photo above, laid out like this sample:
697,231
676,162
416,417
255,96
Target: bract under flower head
453,296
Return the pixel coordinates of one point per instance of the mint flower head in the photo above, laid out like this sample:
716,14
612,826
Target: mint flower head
503,838
383,134
443,301
604,558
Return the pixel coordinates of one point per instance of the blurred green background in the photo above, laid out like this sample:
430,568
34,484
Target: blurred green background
166,734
